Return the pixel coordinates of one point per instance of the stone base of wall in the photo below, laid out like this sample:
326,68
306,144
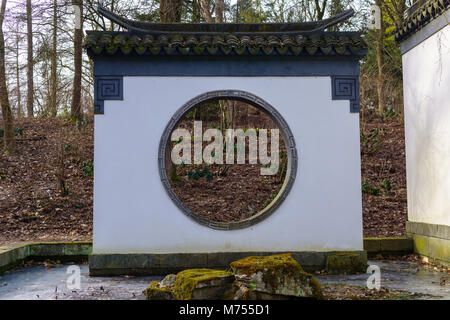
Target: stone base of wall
12,256
394,246
431,240
162,264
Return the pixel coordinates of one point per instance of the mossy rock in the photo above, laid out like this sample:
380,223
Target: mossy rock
202,284
275,276
345,263
193,284
157,292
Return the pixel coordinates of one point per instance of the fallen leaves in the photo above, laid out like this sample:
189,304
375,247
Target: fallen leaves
346,292
385,214
31,207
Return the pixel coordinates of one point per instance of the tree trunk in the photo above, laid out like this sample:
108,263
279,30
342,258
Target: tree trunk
170,10
53,75
204,5
196,11
19,96
30,82
380,63
8,137
75,108
219,7
320,10
112,10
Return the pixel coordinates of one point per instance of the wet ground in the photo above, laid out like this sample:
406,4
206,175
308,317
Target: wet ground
49,283
59,282
401,275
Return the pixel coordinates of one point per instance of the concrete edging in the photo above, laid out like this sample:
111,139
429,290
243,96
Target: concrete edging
11,256
388,246
162,264
430,240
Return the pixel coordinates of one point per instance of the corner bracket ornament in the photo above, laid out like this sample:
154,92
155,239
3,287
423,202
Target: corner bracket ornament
346,88
106,88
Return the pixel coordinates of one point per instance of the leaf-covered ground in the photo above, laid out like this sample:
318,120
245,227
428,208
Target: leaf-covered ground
230,192
32,207
383,175
345,292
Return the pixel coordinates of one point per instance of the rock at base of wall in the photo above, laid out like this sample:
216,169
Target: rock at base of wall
345,263
193,284
273,277
158,292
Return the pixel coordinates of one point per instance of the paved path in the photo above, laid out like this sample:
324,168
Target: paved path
401,275
39,282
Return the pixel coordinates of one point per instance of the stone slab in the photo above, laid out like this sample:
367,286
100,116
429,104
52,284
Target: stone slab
11,256
430,240
428,229
391,246
162,264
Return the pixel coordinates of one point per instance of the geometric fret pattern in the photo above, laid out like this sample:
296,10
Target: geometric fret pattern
346,88
106,88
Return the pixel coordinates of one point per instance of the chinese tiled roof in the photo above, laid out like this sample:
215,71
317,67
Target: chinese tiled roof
307,38
419,16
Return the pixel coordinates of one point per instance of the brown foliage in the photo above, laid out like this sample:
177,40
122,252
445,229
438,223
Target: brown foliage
383,159
31,204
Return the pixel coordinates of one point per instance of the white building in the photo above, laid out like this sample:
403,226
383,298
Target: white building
425,45
149,76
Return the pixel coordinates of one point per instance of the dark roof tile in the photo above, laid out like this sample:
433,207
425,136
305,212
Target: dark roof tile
323,43
305,38
419,17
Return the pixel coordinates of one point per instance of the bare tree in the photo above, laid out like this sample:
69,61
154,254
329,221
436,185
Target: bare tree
319,10
19,96
53,64
113,2
9,141
75,109
170,10
196,11
205,8
219,8
30,82
380,62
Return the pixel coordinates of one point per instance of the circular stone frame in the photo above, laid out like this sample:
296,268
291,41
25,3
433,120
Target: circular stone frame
289,141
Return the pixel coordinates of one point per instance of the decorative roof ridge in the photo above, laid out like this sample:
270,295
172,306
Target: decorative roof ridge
427,12
265,35
288,28
145,43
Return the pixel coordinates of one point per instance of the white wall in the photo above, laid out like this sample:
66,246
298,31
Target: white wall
426,78
133,214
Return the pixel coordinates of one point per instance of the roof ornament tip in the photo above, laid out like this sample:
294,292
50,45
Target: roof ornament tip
221,28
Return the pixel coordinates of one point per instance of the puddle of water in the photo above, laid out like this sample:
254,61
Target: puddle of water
400,275
42,283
